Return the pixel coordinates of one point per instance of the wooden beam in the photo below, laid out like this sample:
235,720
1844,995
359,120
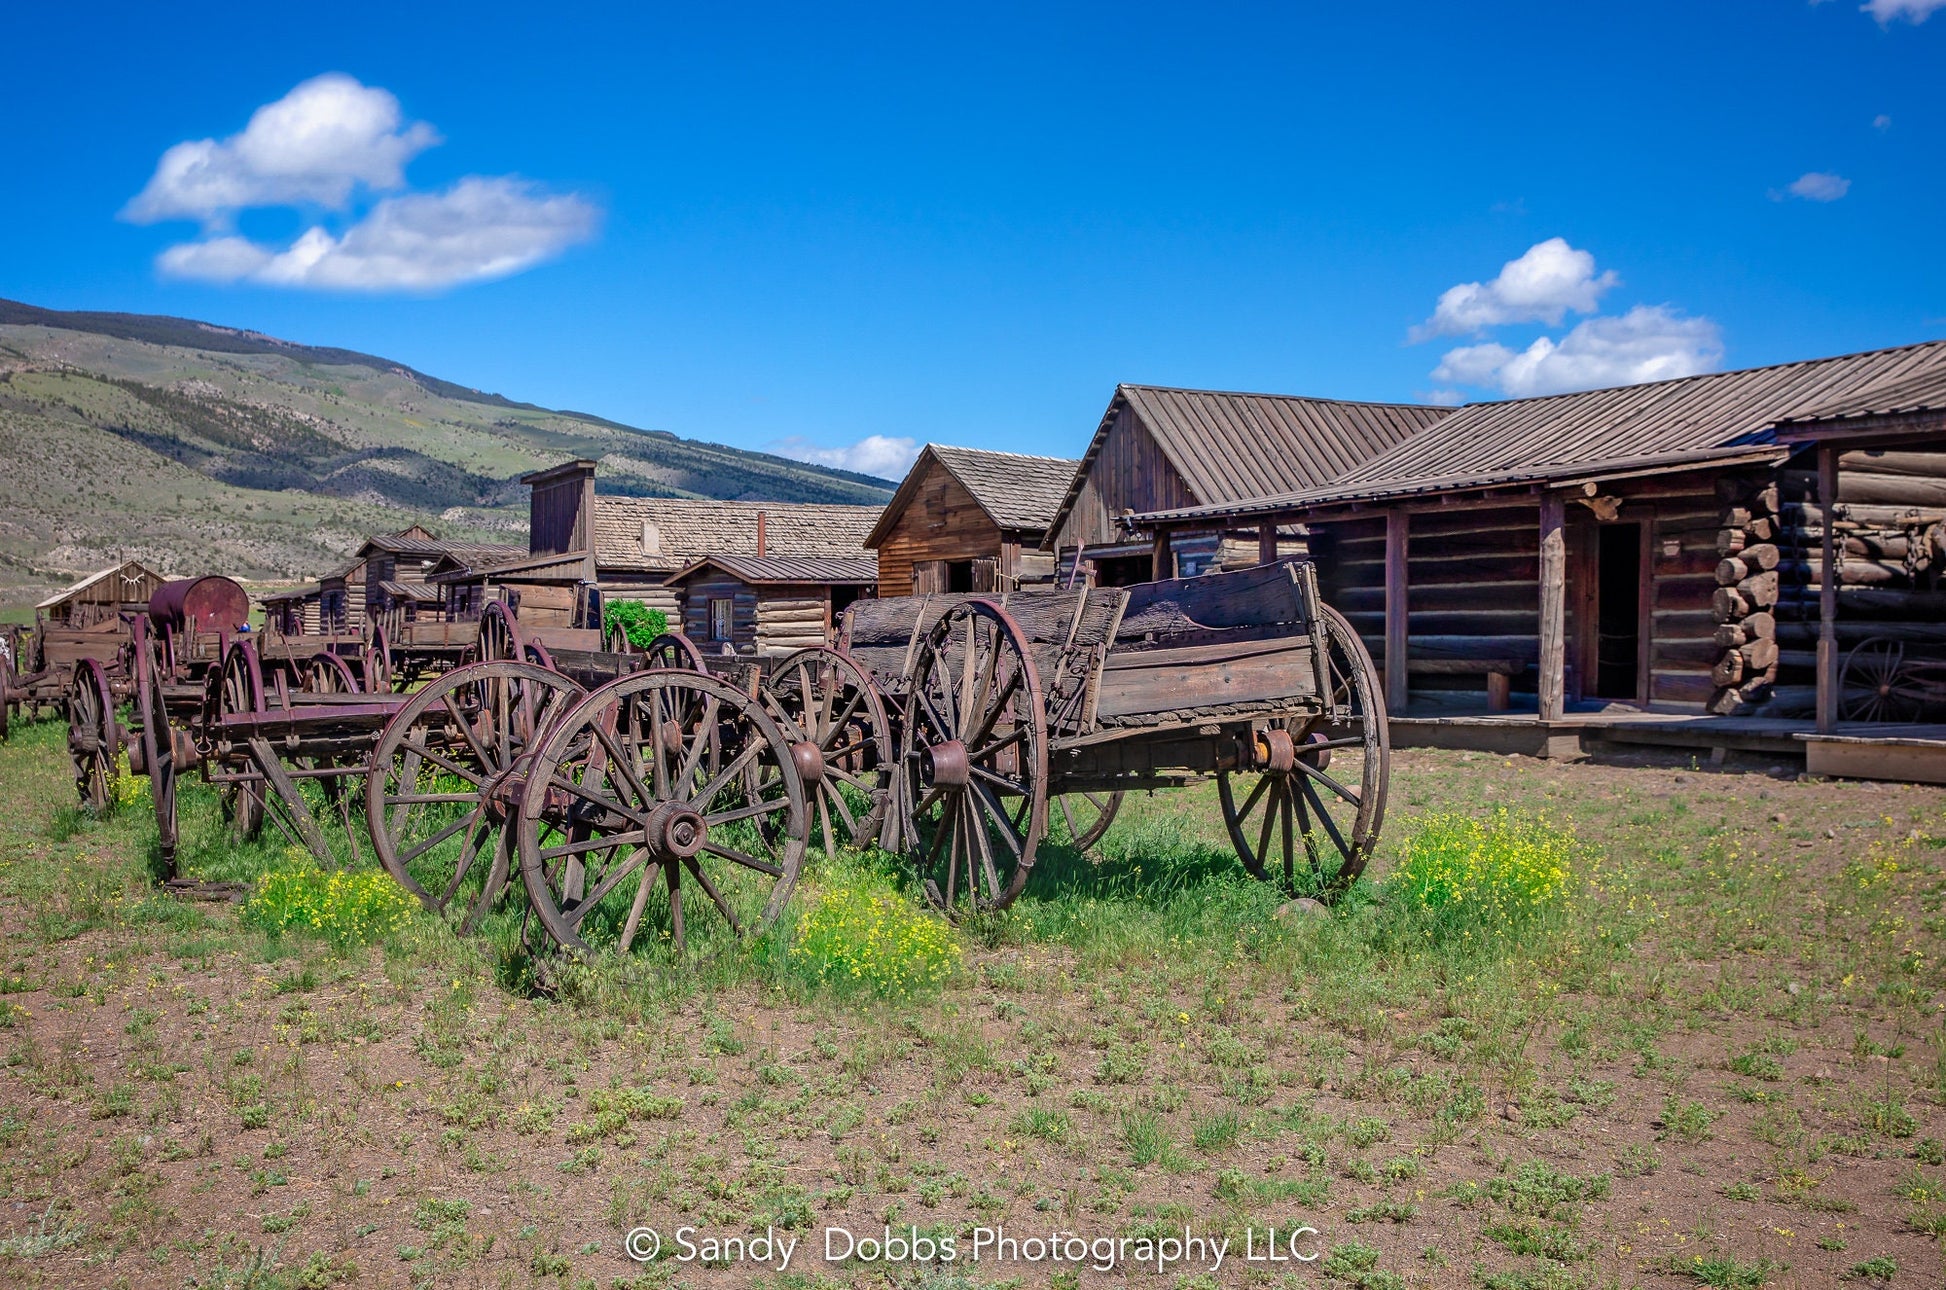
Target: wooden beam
1266,543
1163,562
1554,601
1828,595
1397,535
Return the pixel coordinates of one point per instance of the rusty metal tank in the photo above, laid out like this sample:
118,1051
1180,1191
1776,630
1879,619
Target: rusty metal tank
211,604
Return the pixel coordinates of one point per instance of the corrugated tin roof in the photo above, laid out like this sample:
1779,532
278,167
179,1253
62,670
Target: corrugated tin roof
761,570
1230,446
304,592
417,591
1594,433
685,529
97,576
433,548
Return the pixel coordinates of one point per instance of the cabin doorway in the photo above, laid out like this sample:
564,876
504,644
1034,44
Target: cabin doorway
1618,611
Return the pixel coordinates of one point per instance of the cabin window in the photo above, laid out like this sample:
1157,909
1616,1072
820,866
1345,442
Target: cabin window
1618,617
959,575
721,618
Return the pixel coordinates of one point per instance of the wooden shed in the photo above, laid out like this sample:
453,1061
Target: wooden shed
102,596
293,611
1649,546
398,566
769,604
341,599
1159,449
965,519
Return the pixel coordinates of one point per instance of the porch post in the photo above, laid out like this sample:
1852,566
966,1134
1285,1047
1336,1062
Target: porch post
1554,600
1397,536
1267,542
1828,592
1160,563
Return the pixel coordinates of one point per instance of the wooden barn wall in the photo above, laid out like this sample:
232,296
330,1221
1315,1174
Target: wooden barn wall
1888,527
696,595
559,514
942,522
792,619
106,599
1130,473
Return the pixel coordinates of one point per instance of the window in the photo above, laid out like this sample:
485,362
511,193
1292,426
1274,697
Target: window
721,618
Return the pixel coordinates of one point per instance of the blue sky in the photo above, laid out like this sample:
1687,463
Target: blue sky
821,225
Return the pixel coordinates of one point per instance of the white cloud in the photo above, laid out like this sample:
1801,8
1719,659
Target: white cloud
1444,398
1911,10
1821,185
316,145
1882,122
1544,284
885,456
1648,343
480,228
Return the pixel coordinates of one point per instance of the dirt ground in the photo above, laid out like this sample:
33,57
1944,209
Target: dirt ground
1730,1073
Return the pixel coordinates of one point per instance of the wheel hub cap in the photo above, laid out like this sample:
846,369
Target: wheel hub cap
945,765
676,831
809,759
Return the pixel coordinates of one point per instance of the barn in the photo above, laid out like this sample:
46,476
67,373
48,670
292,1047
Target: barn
1164,449
1656,548
102,596
966,519
748,604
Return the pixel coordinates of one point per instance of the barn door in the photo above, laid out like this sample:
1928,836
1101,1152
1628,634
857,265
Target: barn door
928,577
986,574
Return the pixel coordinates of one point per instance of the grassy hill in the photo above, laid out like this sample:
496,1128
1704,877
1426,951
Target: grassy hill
202,449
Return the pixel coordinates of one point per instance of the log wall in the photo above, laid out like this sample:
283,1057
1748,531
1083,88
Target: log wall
699,591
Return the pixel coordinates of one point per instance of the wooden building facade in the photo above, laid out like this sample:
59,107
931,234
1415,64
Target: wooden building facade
102,597
1163,449
294,611
768,604
1659,546
965,519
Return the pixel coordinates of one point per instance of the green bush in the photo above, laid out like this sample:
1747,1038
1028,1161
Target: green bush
639,622
854,929
1471,881
342,906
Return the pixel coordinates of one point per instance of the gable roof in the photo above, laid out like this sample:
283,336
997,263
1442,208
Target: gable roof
141,571
1692,420
414,542
767,570
685,529
1228,446
1014,490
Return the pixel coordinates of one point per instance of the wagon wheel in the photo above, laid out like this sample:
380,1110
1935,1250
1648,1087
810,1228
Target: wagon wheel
674,650
158,743
971,784
326,673
537,654
1087,815
500,639
616,641
445,776
375,660
6,692
1878,685
1320,795
830,711
93,737
237,686
171,664
620,800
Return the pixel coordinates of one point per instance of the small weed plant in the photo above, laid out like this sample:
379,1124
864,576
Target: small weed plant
1463,882
343,906
855,930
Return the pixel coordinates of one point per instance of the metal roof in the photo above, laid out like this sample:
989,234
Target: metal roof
1229,446
765,569
1599,433
1014,490
664,534
1923,391
415,591
305,592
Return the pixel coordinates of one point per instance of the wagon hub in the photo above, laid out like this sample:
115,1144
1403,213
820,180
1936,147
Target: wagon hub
945,765
676,831
1275,752
809,759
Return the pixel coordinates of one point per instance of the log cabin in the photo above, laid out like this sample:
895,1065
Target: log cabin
747,604
102,596
1660,546
1158,448
967,519
294,611
341,600
397,567
585,548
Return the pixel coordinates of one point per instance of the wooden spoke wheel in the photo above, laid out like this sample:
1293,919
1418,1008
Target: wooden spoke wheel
500,637
616,641
93,735
1877,684
970,790
538,655
674,650
446,775
375,661
1319,796
831,713
1087,816
628,833
326,673
235,687
157,746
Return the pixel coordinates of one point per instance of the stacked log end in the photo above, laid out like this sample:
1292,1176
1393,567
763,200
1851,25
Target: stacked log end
1748,588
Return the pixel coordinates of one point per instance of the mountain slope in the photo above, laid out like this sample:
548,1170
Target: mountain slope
208,450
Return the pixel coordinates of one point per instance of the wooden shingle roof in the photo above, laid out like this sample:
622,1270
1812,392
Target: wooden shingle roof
768,570
1229,446
664,534
1592,434
1016,491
